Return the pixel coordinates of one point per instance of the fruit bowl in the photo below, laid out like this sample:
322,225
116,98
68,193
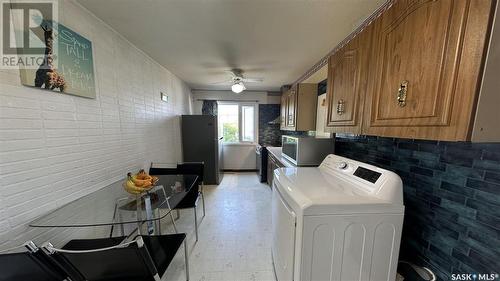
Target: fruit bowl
139,183
135,190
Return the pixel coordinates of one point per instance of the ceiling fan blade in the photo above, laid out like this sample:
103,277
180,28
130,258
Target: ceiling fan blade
253,80
232,73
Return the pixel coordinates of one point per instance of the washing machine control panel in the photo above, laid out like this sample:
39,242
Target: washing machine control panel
367,174
362,175
342,165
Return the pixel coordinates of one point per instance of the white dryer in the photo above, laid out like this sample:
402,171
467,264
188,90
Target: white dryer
339,221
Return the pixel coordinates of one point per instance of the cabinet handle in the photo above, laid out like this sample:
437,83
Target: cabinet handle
403,89
340,107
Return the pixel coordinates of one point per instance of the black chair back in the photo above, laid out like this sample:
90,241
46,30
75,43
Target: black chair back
163,248
127,263
192,168
163,171
28,266
184,168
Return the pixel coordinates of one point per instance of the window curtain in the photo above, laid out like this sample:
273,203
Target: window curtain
209,107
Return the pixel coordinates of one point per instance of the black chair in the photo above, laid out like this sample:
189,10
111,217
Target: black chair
194,168
190,201
142,259
162,170
33,265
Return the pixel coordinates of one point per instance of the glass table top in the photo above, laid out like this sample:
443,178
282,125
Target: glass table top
112,205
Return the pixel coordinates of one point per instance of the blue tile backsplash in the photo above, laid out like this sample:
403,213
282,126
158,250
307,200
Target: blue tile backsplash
269,134
451,195
322,87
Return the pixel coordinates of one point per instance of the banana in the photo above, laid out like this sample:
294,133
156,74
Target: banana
142,175
130,187
139,182
134,187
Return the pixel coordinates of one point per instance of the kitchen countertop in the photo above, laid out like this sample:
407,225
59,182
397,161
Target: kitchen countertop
276,152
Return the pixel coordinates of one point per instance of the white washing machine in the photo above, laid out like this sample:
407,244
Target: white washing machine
339,221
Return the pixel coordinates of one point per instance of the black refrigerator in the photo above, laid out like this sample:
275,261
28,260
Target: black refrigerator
201,143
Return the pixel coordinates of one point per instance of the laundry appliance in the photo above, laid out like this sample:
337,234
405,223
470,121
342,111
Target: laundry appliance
339,221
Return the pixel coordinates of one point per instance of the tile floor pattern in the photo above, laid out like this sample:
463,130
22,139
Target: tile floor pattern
234,237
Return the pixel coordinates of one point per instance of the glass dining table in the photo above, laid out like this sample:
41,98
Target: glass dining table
114,207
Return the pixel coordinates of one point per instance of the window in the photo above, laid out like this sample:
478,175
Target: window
237,122
228,121
247,123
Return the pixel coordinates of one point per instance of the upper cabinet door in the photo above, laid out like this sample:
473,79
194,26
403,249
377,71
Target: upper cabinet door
347,75
343,87
291,107
418,46
283,112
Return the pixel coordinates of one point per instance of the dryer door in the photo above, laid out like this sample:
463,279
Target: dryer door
283,247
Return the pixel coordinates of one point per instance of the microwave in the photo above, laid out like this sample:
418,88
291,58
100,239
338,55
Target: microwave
306,150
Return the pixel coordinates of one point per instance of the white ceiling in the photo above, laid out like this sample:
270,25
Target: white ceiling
198,40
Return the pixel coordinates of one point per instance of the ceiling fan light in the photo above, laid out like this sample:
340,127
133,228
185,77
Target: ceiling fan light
238,87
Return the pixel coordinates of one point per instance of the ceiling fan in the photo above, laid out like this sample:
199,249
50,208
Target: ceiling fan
237,80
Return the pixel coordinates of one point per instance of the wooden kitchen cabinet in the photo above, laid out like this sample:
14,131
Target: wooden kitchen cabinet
425,69
298,108
347,76
283,111
291,103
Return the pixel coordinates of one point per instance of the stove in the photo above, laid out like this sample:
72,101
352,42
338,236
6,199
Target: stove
261,152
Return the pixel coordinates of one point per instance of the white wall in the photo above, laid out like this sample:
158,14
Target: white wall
274,99
260,97
55,148
239,157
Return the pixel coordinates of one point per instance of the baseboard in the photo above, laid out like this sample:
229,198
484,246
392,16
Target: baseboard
241,170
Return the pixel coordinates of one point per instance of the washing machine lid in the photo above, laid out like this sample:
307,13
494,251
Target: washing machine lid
340,186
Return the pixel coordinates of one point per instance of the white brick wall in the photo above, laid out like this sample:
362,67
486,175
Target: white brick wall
55,148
